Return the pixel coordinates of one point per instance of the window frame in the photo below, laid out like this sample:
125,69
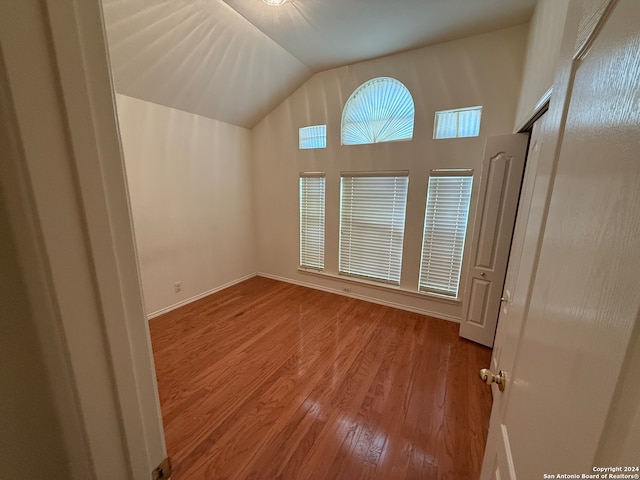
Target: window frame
302,215
423,285
365,89
457,111
310,128
352,268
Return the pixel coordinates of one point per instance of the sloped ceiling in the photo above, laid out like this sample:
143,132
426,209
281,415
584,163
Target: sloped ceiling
199,56
235,60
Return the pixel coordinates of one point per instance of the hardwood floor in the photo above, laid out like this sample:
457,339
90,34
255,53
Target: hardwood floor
267,380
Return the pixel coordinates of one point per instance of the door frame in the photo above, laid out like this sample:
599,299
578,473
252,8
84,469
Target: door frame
71,219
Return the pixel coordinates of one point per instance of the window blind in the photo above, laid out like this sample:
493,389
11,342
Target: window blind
380,110
314,136
462,122
372,217
445,226
312,188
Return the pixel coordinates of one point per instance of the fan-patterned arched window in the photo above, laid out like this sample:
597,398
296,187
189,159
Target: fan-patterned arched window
380,110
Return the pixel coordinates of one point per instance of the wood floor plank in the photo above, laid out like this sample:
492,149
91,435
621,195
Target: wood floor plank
292,444
268,380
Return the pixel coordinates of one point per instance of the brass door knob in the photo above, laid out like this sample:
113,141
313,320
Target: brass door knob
489,377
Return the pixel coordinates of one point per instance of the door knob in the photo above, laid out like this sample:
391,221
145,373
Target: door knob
489,377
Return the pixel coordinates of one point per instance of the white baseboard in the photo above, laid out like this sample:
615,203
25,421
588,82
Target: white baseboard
366,298
157,313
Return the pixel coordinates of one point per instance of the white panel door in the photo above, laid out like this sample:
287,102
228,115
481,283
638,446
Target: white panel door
517,288
524,247
495,216
584,302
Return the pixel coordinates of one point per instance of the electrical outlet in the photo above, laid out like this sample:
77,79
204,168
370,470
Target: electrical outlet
177,287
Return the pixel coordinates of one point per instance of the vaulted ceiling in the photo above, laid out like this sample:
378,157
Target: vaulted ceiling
235,60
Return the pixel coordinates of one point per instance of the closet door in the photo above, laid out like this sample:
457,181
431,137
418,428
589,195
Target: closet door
495,217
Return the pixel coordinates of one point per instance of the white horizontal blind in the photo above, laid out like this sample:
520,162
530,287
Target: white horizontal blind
445,226
380,110
312,187
458,123
314,136
372,216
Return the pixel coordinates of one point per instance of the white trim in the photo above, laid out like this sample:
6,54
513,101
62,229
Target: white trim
83,70
451,172
164,310
376,173
366,298
382,286
535,113
582,49
65,121
31,252
543,101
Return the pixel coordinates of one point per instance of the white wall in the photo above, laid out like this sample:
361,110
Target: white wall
191,195
482,70
543,48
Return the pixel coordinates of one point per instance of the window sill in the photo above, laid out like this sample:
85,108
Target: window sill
380,286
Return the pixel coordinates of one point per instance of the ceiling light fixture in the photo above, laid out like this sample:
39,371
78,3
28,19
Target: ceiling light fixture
274,3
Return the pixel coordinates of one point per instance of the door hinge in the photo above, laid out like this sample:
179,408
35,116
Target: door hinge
162,471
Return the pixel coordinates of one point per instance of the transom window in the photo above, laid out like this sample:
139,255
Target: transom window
314,136
458,123
380,110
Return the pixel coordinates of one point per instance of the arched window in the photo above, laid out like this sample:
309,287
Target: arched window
380,110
